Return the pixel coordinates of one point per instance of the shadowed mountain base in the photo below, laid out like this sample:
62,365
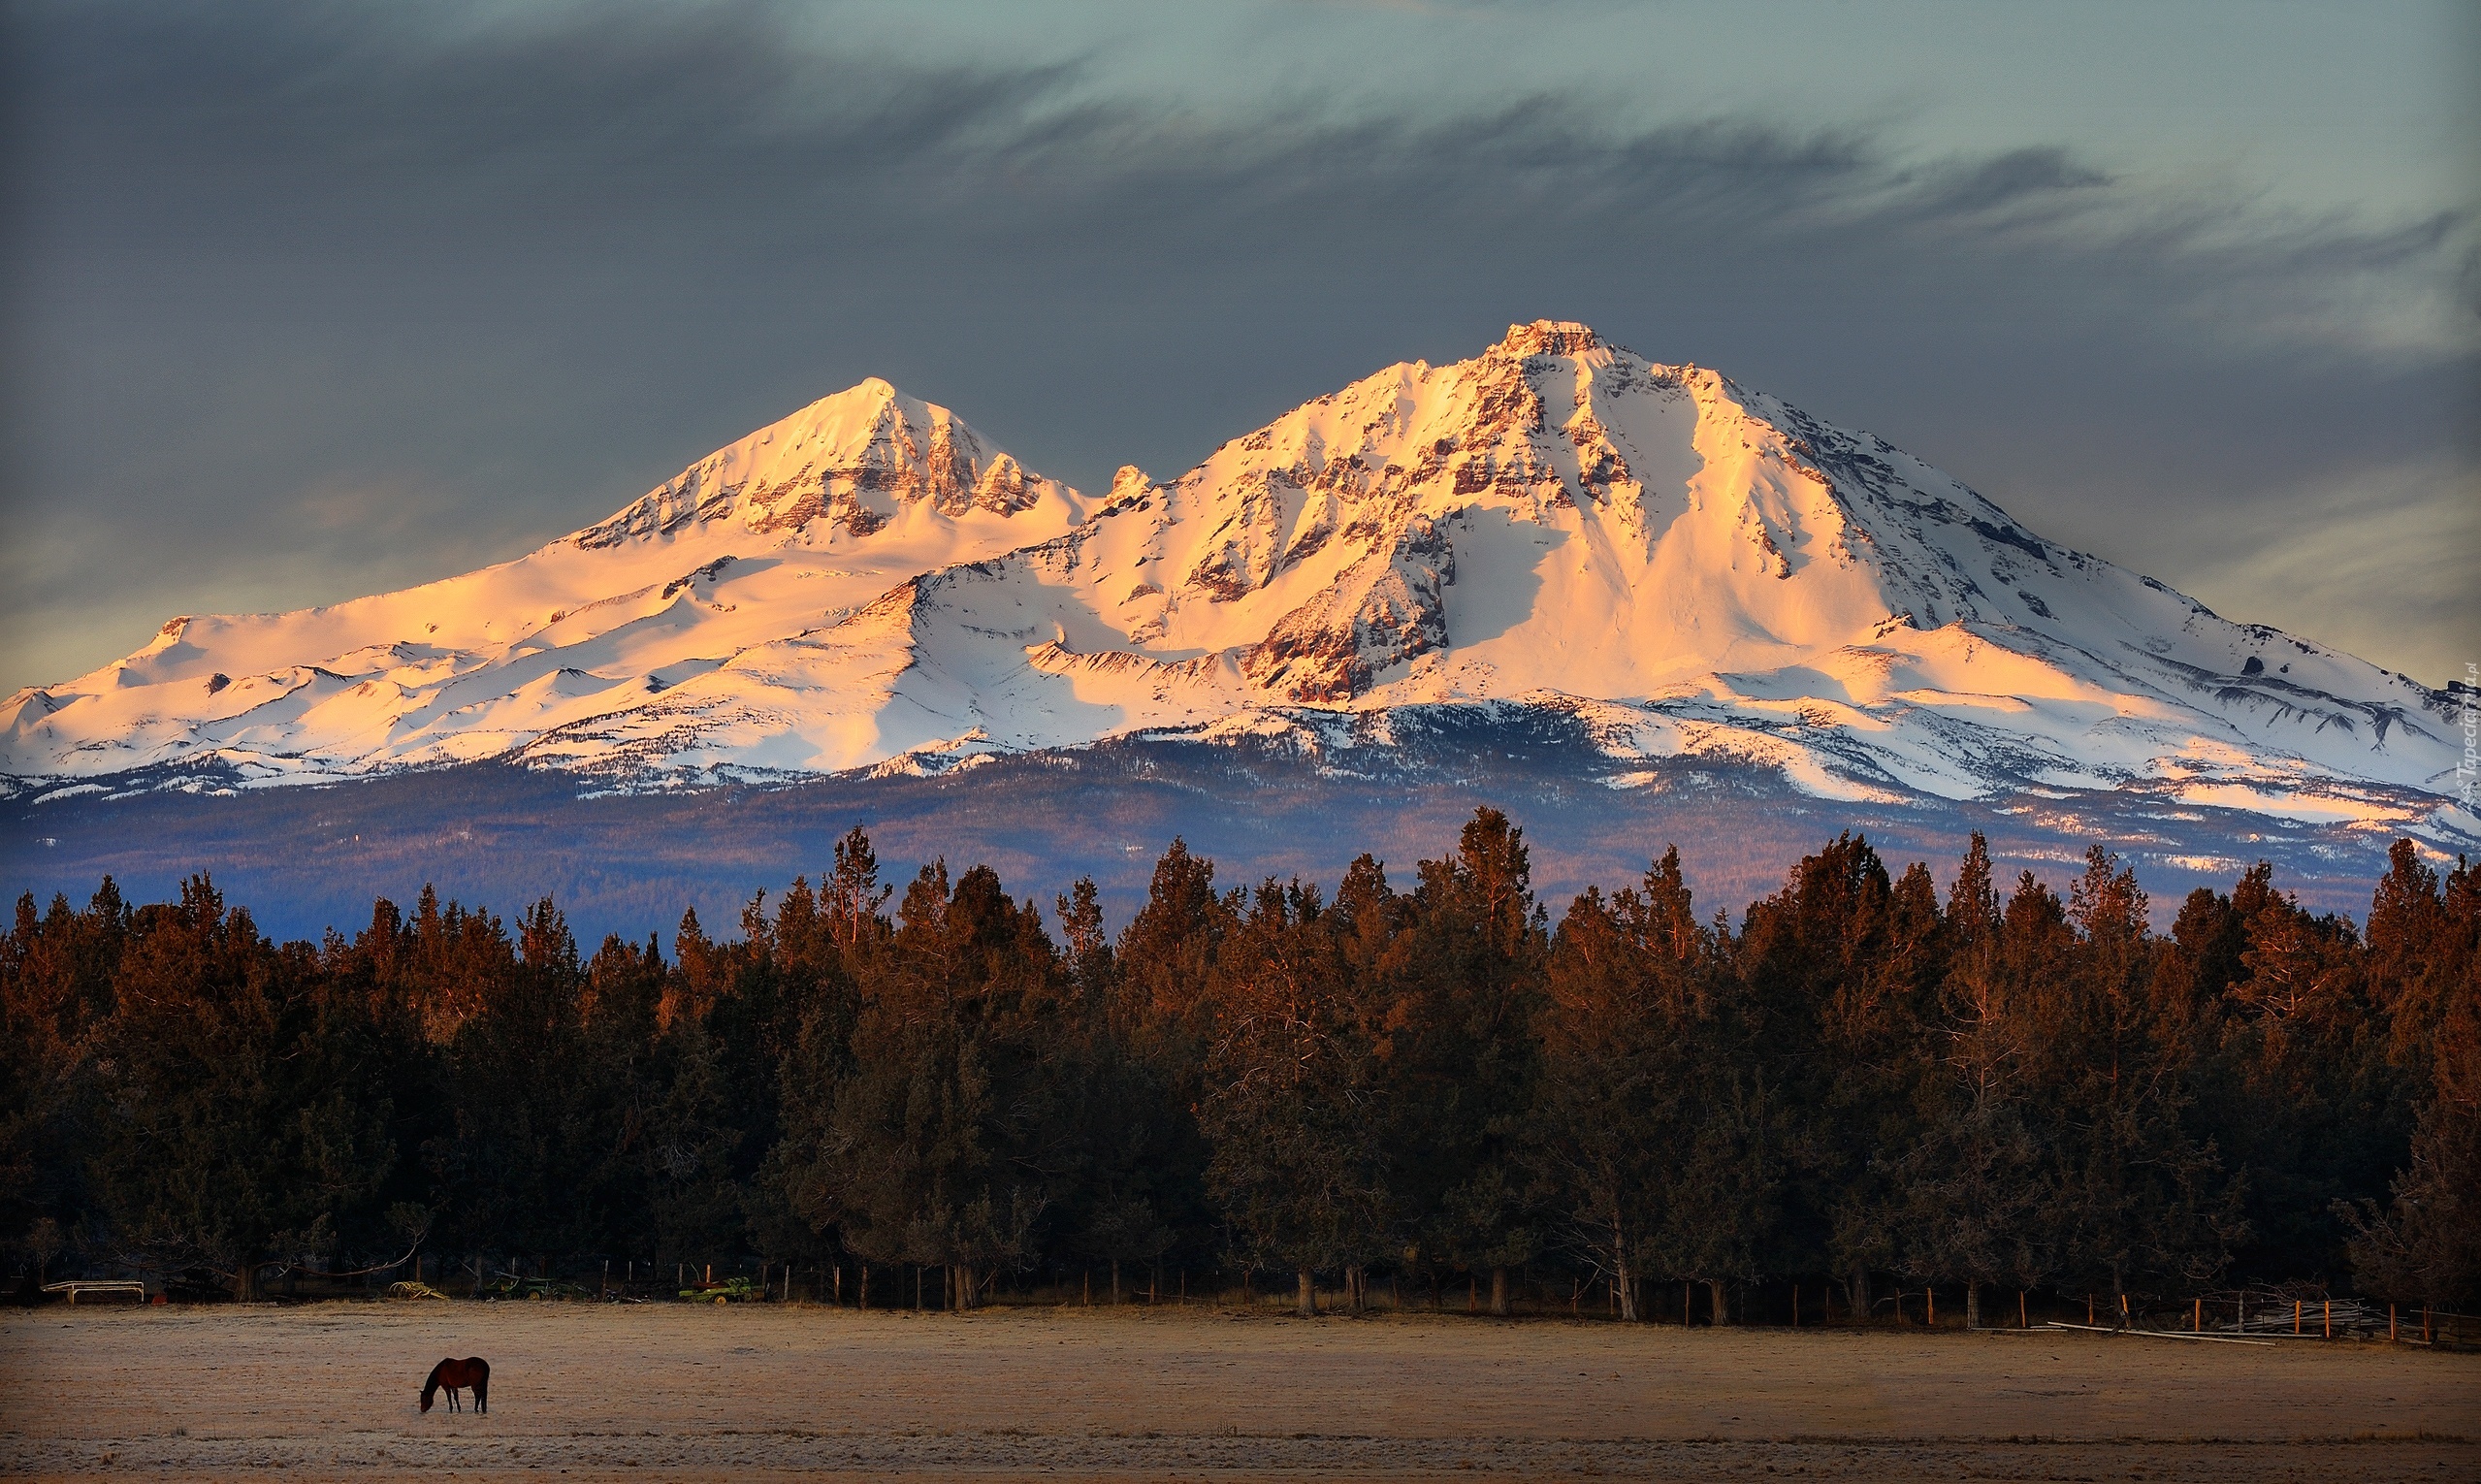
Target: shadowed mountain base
306,858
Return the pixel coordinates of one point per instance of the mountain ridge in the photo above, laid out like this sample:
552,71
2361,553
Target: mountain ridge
1698,568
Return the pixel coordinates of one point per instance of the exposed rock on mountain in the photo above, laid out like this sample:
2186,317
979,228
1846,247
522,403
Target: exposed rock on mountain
1685,566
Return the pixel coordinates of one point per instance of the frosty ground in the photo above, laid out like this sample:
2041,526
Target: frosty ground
328,1391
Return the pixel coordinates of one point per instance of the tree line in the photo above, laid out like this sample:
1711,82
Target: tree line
1869,1080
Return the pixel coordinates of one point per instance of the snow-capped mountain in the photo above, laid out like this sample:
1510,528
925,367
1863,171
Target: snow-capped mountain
1685,566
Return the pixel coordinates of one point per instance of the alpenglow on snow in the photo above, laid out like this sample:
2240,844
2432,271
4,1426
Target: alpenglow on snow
1687,566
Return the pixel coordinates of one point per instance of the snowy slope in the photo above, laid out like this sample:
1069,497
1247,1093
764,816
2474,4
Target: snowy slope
1691,567
798,527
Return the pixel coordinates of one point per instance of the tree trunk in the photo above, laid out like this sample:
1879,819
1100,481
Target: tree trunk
1353,1285
1309,1295
1627,1283
1498,1292
1721,1302
1116,1280
865,1288
1857,1288
245,1279
1971,1303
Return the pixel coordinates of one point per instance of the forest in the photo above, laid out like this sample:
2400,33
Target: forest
1871,1082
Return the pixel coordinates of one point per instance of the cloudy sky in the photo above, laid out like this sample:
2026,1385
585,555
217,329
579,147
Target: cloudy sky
305,301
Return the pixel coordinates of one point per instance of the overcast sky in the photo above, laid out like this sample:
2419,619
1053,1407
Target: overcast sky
306,301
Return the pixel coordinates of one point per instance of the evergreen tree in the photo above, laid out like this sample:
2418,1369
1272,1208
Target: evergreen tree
1627,991
1972,1187
233,1129
1860,1080
949,1125
1461,988
2425,952
1300,1154
2139,1205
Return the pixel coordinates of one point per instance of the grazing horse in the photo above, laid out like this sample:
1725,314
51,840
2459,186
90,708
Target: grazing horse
454,1374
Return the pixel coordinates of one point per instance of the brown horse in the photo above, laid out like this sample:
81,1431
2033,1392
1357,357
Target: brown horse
455,1375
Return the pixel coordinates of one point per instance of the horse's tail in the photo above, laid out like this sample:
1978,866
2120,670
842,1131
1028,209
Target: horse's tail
480,1370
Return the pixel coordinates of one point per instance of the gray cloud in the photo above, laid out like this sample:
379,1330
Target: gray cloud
304,302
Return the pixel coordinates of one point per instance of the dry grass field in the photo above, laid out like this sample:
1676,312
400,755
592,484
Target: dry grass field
589,1392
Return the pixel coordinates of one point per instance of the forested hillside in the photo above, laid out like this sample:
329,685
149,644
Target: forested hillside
1874,1078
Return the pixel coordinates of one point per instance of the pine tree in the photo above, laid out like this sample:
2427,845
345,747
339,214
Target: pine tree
1626,987
1462,982
1972,1187
2139,1205
2425,955
1299,1166
236,1128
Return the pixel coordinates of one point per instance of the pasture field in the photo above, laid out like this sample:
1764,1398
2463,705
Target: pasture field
590,1391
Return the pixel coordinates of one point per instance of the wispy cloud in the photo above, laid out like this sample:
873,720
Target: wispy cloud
515,266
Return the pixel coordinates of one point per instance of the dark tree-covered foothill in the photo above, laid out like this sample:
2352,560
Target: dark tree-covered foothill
1880,1089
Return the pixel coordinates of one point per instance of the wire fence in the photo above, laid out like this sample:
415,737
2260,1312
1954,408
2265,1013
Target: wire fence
2300,1311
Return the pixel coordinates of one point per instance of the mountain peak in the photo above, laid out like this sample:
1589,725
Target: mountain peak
1555,524
1551,337
850,462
